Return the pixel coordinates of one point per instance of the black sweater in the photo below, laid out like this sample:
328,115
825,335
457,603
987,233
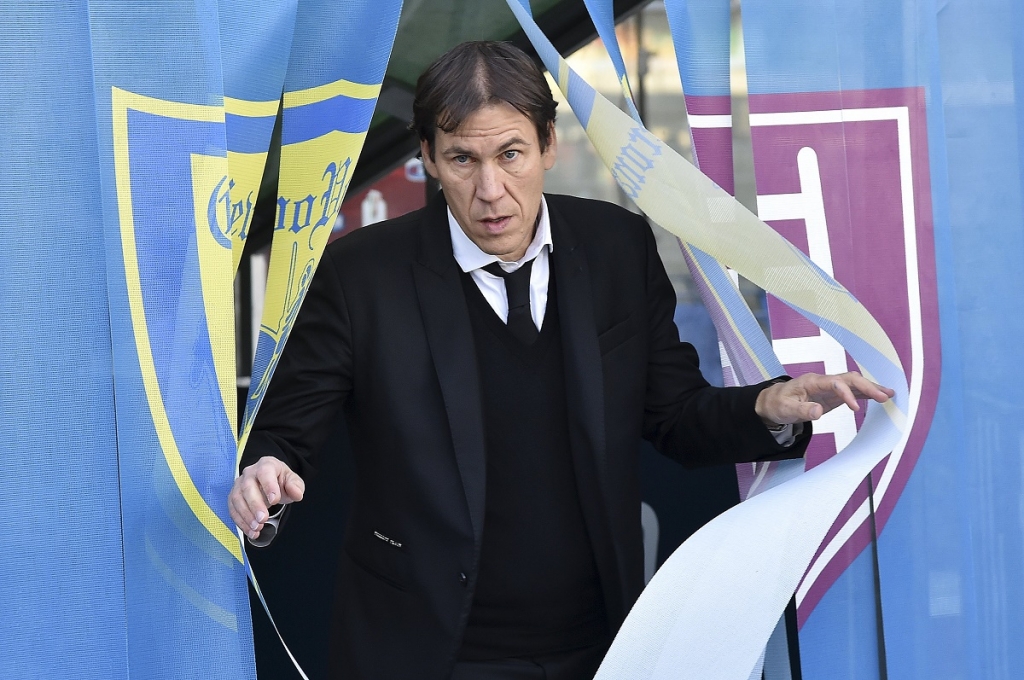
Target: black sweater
538,589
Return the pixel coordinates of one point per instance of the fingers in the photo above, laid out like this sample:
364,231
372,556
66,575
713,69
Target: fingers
809,410
832,390
842,390
245,505
261,485
268,487
810,396
870,390
862,388
240,512
294,488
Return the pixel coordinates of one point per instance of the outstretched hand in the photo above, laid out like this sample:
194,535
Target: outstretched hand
810,396
263,484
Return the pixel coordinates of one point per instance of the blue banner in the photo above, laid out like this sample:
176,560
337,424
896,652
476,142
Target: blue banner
134,155
334,77
886,141
255,39
959,595
162,142
61,572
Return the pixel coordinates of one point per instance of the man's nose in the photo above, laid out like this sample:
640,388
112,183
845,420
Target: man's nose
489,183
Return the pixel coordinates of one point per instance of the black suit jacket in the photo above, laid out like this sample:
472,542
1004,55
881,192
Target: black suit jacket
384,337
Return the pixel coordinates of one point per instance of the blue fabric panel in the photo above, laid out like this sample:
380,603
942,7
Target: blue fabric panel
187,603
802,46
61,577
700,33
255,38
844,646
950,553
249,135
153,37
956,594
330,43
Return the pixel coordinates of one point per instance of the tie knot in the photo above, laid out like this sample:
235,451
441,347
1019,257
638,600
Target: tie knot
496,269
517,283
517,292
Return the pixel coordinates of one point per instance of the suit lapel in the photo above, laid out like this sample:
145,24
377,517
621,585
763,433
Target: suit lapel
584,386
584,379
450,336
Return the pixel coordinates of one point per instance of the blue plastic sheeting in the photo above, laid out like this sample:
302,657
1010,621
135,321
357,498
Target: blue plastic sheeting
108,573
949,554
700,30
118,384
331,42
952,560
186,600
844,648
61,577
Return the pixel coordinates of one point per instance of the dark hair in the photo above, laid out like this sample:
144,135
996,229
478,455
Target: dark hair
473,75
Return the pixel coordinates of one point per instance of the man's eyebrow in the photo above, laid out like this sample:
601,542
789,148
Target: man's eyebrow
456,150
515,141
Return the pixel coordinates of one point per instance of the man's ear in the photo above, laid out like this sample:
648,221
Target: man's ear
428,161
551,150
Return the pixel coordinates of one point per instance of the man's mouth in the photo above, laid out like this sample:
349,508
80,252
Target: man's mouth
495,224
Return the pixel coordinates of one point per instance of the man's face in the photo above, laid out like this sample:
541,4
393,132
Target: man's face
491,170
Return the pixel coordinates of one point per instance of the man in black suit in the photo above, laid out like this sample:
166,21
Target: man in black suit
497,356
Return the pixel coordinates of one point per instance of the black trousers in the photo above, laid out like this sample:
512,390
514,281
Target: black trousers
577,664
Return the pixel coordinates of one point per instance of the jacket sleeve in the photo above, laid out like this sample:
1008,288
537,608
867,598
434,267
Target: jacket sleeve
686,418
312,381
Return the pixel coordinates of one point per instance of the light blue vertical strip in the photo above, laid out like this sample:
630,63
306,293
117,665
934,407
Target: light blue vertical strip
61,578
924,552
799,46
255,40
949,554
960,593
187,603
333,41
603,14
839,641
700,35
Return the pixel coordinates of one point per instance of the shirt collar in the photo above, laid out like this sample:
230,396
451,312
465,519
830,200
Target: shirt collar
470,257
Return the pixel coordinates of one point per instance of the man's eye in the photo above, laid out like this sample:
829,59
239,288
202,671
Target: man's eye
511,155
461,159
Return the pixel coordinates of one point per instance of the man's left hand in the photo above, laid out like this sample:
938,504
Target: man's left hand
810,396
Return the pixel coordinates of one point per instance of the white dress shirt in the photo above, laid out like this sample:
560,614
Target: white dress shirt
471,260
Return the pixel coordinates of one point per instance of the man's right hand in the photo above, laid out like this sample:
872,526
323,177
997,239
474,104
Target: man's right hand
265,483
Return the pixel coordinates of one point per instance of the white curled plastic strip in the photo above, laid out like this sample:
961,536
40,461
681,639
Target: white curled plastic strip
710,609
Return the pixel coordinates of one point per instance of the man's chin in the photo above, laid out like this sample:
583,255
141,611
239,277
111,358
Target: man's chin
499,246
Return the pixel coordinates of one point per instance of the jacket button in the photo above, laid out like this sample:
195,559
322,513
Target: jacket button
463,579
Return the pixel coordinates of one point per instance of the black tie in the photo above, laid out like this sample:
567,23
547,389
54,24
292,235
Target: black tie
517,289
